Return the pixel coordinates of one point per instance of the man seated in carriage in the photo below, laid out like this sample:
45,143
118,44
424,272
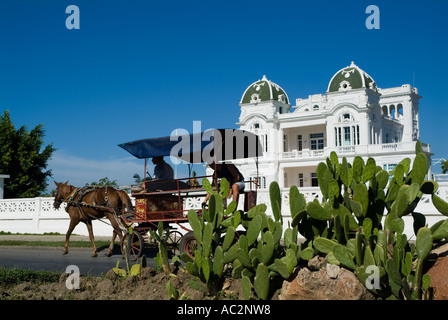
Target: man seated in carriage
162,170
163,177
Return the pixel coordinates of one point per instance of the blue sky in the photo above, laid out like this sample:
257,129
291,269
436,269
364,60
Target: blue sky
140,69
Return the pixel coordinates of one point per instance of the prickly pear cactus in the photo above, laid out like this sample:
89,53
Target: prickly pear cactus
215,236
360,225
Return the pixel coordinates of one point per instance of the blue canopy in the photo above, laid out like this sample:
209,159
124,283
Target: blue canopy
207,146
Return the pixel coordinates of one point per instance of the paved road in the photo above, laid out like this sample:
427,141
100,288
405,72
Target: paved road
51,259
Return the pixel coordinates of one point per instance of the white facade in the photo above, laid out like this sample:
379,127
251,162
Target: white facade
353,118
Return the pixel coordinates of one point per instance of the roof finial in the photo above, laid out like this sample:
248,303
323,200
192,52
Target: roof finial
264,78
353,64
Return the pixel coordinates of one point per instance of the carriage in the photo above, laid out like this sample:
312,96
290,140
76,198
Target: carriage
165,200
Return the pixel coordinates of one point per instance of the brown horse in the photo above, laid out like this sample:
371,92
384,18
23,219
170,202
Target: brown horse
87,204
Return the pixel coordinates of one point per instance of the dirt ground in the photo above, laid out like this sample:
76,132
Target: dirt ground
150,285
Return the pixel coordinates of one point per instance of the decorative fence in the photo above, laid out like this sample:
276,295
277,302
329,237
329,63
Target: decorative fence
37,215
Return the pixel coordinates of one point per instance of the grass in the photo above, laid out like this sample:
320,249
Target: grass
4,233
79,244
12,276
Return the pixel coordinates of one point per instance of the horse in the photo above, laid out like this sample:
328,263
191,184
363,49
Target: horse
91,203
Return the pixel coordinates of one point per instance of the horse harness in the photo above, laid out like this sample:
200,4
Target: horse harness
81,192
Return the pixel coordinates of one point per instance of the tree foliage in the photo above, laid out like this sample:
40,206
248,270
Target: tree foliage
105,182
24,158
444,166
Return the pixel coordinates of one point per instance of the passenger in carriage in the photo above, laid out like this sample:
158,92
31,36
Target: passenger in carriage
233,176
163,179
162,171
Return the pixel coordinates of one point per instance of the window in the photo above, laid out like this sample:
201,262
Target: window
346,117
264,142
261,182
256,126
299,142
317,141
314,182
389,166
347,136
300,179
400,111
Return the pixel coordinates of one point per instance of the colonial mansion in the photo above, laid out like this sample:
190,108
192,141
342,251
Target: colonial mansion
353,118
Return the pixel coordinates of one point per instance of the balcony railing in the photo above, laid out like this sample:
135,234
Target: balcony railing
361,149
303,154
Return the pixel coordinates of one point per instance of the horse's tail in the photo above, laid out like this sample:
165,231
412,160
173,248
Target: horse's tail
125,200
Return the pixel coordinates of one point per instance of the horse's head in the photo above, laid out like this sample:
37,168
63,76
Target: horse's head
63,191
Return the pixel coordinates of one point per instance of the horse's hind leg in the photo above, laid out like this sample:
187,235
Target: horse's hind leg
73,224
91,237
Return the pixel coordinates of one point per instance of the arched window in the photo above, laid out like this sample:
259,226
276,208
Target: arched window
400,111
392,111
346,117
347,131
256,126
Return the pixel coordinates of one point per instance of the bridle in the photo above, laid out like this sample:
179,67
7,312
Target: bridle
59,202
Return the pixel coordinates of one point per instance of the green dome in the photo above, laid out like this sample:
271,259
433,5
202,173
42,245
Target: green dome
264,90
351,77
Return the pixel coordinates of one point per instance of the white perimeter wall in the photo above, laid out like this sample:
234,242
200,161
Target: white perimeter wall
37,215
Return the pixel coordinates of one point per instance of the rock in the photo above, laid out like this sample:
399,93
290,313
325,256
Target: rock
317,263
332,270
318,285
440,250
438,273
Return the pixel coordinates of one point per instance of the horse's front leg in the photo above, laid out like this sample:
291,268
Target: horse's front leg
117,231
73,224
111,246
91,237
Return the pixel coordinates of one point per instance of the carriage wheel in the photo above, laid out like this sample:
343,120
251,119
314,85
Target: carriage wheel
188,244
136,246
173,240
